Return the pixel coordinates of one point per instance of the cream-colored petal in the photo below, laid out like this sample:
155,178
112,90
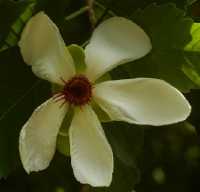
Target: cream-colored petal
43,48
142,101
37,142
91,154
114,42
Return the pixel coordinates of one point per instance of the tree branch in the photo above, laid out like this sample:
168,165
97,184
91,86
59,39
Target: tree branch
92,17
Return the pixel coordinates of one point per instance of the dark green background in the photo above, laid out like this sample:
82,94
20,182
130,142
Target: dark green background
147,159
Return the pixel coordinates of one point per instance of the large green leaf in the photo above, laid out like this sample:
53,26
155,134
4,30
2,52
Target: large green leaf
126,141
172,41
127,7
192,55
21,92
169,31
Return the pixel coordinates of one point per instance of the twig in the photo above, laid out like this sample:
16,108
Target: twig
106,11
91,12
77,13
110,12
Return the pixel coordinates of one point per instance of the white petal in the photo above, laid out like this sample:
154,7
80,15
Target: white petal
114,42
91,154
37,142
142,101
43,48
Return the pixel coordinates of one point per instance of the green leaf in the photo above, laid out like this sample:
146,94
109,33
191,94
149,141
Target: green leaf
9,11
14,34
127,7
78,55
21,92
63,136
191,66
102,115
124,179
126,140
63,144
169,31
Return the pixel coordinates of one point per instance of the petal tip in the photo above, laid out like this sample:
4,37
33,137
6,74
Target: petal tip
114,42
91,154
160,105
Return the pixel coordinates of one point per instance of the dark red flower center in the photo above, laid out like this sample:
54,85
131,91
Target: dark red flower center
77,91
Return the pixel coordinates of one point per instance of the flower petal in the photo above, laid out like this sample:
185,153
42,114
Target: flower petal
43,48
37,142
91,154
142,101
114,42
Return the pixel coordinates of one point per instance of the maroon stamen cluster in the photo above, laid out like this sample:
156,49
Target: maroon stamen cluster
77,91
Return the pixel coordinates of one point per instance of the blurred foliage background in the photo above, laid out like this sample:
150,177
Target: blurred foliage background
153,159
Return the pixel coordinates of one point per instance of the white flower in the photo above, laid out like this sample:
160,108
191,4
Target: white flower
141,101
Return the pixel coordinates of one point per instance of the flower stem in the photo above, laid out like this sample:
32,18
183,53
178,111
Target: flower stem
111,13
77,13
